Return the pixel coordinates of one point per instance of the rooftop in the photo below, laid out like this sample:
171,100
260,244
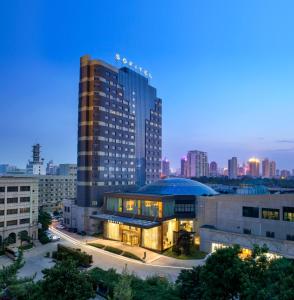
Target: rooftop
177,186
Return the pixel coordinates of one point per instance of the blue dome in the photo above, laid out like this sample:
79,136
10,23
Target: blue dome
177,186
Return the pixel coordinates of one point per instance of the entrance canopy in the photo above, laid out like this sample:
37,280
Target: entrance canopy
127,221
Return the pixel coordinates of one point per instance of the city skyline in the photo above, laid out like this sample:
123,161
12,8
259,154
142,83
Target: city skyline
240,77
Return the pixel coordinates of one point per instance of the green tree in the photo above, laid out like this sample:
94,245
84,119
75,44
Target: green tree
123,290
66,282
45,220
24,237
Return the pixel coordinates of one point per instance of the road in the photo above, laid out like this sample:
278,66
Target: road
35,260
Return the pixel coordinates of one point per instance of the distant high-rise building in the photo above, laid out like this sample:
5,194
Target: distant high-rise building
165,167
233,168
36,166
265,165
285,174
67,170
184,166
51,169
272,167
197,164
254,165
277,173
213,172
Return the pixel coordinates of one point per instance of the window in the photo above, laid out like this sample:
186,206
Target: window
24,199
290,237
288,214
12,211
11,223
1,212
271,213
1,224
270,234
25,188
24,210
24,221
12,189
250,212
12,200
246,231
2,189
2,200
186,208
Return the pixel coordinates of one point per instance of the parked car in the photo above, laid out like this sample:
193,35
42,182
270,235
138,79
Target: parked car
12,252
59,226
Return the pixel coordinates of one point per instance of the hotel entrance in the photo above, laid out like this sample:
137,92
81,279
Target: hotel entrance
131,235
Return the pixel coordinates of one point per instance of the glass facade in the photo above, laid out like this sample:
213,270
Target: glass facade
146,208
146,106
151,238
168,228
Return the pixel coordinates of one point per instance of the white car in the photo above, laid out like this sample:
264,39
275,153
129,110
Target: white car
55,238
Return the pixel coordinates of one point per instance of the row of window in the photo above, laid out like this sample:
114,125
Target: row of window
15,189
15,200
270,234
187,208
14,211
269,213
14,222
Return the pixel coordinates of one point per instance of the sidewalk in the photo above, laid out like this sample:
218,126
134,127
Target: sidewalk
150,255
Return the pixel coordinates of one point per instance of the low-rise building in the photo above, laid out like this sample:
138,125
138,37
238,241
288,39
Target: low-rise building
53,189
247,220
18,208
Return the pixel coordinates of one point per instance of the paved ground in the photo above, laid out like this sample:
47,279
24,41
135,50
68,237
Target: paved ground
156,264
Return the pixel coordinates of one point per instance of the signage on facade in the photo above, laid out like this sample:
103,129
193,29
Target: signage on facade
132,65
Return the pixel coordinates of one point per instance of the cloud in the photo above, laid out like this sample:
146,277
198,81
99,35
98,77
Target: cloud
283,150
285,141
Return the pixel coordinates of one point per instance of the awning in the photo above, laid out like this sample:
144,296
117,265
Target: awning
125,220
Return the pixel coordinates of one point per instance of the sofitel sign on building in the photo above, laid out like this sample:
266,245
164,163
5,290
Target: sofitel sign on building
132,65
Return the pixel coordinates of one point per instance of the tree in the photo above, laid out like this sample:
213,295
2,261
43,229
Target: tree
24,237
66,282
45,220
123,290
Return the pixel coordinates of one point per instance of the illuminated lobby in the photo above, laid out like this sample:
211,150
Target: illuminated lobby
153,216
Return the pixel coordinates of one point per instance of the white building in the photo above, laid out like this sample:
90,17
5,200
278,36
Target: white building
53,189
197,164
18,207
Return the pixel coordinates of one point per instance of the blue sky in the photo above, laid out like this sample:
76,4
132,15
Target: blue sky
224,70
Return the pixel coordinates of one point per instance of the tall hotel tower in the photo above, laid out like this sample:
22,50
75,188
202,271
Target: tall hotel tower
119,135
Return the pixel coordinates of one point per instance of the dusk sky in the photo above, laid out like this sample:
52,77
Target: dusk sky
224,69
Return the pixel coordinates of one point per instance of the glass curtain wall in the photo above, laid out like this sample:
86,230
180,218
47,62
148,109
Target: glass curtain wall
151,238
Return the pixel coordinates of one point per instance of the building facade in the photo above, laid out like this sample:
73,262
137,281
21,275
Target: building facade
147,109
68,170
165,167
197,164
233,168
213,171
254,167
272,169
246,220
184,167
265,166
36,166
53,189
18,208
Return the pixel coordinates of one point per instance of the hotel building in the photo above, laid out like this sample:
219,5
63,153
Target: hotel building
119,135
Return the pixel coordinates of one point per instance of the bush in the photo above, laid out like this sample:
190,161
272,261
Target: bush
63,253
96,245
47,254
26,247
131,255
177,250
113,250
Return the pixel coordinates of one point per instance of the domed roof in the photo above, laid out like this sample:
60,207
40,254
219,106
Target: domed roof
177,186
